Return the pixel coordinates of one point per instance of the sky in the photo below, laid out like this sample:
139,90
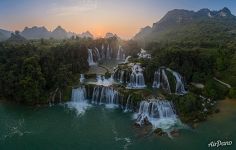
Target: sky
123,17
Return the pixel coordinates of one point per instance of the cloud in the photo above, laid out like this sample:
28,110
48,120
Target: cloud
72,7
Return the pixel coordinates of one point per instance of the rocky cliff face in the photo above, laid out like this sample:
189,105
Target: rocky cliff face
179,18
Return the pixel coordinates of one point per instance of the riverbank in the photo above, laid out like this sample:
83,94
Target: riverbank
227,108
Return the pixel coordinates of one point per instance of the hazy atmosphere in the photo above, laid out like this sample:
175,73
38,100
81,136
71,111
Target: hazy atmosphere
125,18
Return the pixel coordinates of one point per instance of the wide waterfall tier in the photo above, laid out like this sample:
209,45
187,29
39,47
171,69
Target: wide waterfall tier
105,52
78,100
169,80
136,78
160,113
105,95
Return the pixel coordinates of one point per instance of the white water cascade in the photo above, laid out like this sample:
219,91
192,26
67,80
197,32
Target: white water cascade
120,54
101,80
127,59
105,95
165,82
108,53
82,78
90,57
157,78
79,100
103,55
160,113
136,78
179,89
161,81
97,53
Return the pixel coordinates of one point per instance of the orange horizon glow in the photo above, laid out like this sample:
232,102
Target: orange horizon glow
122,17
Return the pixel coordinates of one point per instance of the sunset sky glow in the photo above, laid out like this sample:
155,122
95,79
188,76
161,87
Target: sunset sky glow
123,17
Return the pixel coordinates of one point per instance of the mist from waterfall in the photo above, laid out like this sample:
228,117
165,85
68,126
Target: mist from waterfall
160,113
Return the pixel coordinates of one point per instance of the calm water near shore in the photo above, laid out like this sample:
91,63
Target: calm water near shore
99,128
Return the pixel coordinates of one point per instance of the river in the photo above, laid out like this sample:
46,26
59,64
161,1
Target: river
99,128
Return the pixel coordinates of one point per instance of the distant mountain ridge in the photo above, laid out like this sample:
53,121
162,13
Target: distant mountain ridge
4,34
179,21
36,32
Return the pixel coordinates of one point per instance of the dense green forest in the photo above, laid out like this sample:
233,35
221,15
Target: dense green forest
30,72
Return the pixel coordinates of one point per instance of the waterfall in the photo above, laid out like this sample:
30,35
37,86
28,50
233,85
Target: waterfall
179,89
103,55
136,78
82,78
90,57
127,59
122,76
128,104
105,95
157,78
78,94
165,82
97,53
120,54
161,81
108,54
101,80
78,100
160,113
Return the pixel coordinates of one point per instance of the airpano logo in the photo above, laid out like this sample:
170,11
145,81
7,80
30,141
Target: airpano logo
219,143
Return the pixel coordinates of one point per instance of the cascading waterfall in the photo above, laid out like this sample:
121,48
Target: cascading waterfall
161,81
90,57
78,100
103,55
179,89
136,78
108,53
82,78
165,82
120,54
122,76
157,78
105,95
160,113
128,105
127,59
119,75
97,53
101,80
